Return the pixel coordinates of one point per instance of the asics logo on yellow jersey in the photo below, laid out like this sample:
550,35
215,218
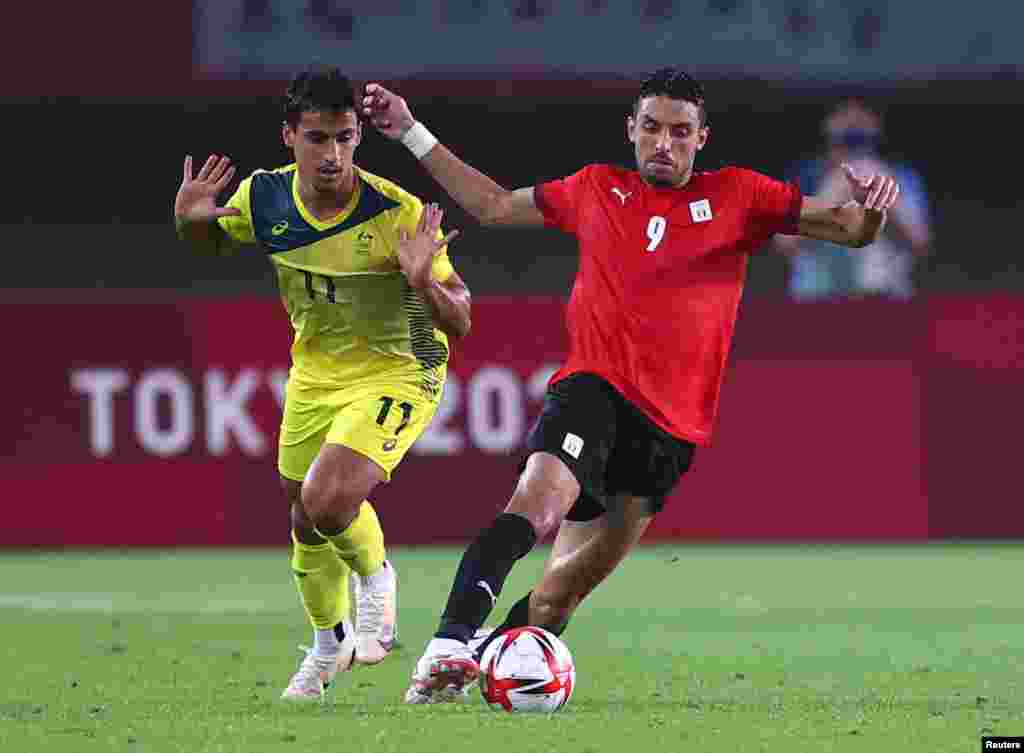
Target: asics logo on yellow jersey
364,240
389,445
280,227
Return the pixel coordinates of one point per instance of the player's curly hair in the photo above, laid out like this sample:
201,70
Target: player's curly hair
675,84
318,89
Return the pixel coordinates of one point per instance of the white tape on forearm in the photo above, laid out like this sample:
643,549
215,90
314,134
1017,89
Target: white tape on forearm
419,140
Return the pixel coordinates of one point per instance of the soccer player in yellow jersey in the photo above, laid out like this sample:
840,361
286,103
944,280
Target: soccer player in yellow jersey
365,277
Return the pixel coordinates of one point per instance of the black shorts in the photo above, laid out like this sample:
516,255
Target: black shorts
608,444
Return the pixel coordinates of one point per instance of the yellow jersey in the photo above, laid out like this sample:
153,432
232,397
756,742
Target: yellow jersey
353,312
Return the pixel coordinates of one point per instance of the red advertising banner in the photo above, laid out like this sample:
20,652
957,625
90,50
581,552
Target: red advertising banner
156,424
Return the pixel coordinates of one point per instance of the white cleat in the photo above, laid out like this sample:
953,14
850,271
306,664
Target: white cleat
478,639
444,677
376,614
316,673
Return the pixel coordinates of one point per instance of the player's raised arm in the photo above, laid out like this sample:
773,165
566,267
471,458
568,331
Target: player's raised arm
475,192
195,207
856,223
448,299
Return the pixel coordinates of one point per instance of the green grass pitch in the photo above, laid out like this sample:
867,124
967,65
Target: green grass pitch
687,648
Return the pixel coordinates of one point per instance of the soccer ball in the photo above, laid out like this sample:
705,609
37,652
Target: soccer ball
527,669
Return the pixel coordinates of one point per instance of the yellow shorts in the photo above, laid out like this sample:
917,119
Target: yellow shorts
378,419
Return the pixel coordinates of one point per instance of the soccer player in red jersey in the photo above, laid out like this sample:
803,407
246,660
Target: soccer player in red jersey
663,255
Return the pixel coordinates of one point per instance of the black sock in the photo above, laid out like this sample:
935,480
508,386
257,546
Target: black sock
518,616
488,562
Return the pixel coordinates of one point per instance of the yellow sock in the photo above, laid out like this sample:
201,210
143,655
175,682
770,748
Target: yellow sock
361,545
322,580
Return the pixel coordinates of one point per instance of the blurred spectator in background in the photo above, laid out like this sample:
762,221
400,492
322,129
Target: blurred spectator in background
820,270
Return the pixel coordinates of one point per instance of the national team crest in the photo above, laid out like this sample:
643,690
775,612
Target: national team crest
700,211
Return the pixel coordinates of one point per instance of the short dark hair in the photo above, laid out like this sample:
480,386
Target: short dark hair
675,84
317,90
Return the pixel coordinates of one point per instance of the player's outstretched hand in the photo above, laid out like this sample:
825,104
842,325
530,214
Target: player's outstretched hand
386,111
416,251
877,192
197,197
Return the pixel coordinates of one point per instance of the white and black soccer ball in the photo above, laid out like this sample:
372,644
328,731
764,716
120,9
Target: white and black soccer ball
527,669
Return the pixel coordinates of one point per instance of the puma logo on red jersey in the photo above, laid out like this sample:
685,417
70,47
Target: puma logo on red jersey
622,196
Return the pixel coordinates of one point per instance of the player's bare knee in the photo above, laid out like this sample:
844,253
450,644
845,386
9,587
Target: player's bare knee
545,492
541,506
330,506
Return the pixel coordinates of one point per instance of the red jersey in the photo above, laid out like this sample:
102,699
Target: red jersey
660,277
